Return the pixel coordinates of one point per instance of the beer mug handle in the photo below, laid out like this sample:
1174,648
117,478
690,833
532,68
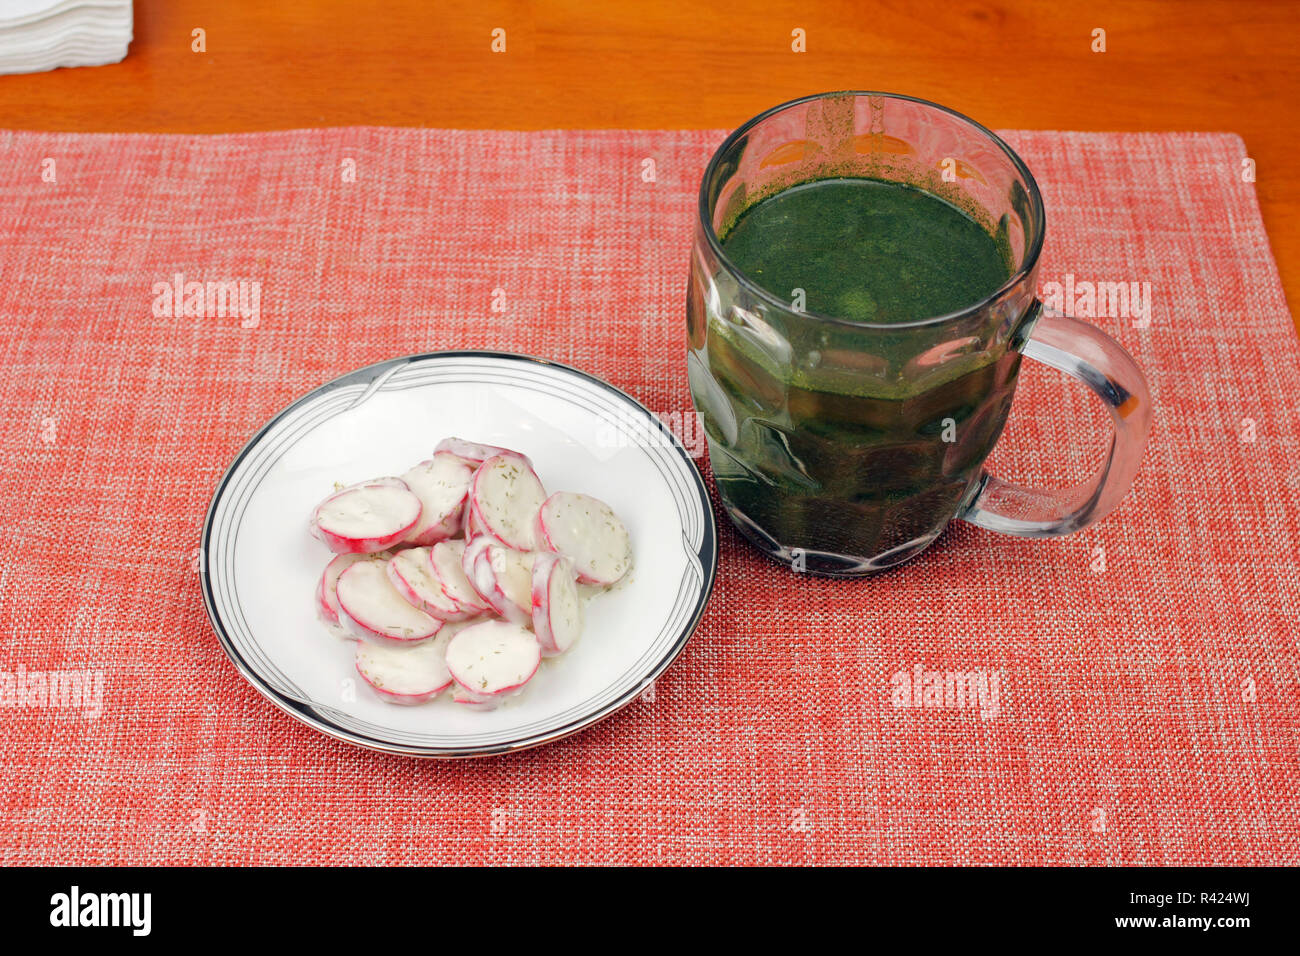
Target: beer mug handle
1084,352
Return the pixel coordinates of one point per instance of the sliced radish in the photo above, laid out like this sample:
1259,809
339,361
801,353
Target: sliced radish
468,523
492,660
505,498
420,607
557,607
406,675
389,480
586,531
462,696
411,573
472,451
503,577
442,485
445,558
366,518
469,557
327,598
372,609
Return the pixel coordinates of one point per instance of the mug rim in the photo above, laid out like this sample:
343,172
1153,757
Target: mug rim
705,218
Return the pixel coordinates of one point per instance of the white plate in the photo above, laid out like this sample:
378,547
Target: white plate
261,566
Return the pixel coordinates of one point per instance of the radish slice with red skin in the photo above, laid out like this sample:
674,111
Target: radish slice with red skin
468,524
411,573
445,558
492,660
406,675
513,573
473,451
471,701
502,577
327,614
586,531
372,609
442,485
388,480
366,518
473,548
505,498
327,597
461,696
557,606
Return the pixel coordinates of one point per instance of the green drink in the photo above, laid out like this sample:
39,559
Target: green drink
856,465
866,250
861,291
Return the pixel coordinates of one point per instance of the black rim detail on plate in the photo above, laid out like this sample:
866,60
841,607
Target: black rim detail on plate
317,715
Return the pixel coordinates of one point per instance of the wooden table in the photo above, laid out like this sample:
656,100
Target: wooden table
272,64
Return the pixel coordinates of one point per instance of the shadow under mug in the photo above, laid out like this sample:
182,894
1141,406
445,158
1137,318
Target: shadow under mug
843,447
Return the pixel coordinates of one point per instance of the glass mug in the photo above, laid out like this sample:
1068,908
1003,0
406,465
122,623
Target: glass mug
843,447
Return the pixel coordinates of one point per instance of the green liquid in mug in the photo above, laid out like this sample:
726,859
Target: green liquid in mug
866,250
857,465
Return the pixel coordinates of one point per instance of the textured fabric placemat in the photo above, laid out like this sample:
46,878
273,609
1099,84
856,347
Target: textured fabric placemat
1147,667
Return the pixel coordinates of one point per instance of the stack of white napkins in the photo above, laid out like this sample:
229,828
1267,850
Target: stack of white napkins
39,35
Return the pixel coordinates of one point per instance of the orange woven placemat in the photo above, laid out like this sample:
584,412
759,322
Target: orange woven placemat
1147,667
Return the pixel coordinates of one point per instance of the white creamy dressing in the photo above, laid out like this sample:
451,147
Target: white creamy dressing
586,530
408,671
441,484
369,598
370,511
492,657
508,495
